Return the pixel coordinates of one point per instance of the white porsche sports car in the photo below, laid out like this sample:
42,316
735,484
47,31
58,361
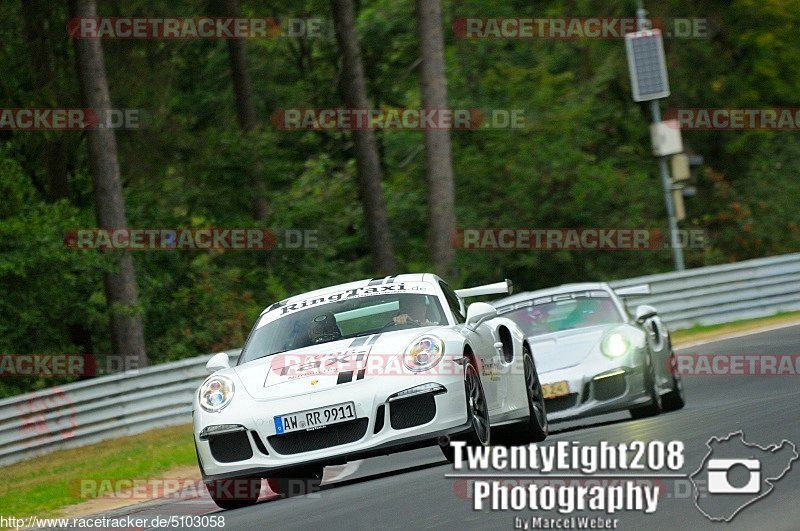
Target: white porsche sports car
357,370
593,357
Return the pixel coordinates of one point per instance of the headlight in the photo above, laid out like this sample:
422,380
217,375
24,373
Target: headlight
216,393
615,345
423,354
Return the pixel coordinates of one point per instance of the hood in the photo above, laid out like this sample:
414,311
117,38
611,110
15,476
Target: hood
321,367
560,350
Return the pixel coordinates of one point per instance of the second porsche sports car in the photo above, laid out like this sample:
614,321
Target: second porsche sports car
357,370
592,356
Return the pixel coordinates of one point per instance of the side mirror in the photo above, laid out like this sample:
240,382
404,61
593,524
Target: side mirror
644,312
218,362
478,312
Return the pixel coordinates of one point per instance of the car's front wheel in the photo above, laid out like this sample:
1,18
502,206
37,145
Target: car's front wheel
477,412
534,429
234,493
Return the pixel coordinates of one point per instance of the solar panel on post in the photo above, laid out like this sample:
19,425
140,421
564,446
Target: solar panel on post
647,66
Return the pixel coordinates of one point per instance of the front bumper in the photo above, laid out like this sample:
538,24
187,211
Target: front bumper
598,387
255,449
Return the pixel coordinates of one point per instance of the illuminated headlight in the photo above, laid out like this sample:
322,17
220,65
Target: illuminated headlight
615,345
423,354
216,393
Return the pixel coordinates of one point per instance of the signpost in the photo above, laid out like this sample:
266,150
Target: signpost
648,71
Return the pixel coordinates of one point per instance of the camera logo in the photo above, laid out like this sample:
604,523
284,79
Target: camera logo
737,473
718,482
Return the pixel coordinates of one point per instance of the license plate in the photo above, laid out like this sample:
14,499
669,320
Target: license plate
554,390
314,418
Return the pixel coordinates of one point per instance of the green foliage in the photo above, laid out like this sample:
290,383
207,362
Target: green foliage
44,282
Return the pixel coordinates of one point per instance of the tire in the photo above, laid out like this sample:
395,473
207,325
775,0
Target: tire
234,493
534,429
676,398
299,482
477,412
655,406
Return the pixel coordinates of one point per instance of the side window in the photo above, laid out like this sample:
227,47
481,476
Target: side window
453,302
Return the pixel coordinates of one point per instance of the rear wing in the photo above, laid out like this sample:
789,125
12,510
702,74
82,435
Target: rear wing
629,291
489,289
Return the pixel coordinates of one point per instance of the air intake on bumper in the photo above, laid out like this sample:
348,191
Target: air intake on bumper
306,441
230,447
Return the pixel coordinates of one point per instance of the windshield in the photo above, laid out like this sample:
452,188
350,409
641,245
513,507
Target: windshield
342,320
565,311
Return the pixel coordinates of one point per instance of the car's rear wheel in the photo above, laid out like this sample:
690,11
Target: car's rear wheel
534,429
675,399
298,482
234,493
655,406
477,412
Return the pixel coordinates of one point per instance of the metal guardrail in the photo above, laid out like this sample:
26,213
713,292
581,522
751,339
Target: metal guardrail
112,406
722,294
107,407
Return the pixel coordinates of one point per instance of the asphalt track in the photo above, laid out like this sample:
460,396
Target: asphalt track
410,490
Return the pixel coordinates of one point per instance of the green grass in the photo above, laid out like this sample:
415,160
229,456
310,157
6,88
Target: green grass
698,332
41,486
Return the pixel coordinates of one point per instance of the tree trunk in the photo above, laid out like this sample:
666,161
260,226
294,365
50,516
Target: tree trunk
354,92
127,335
44,82
245,110
438,162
